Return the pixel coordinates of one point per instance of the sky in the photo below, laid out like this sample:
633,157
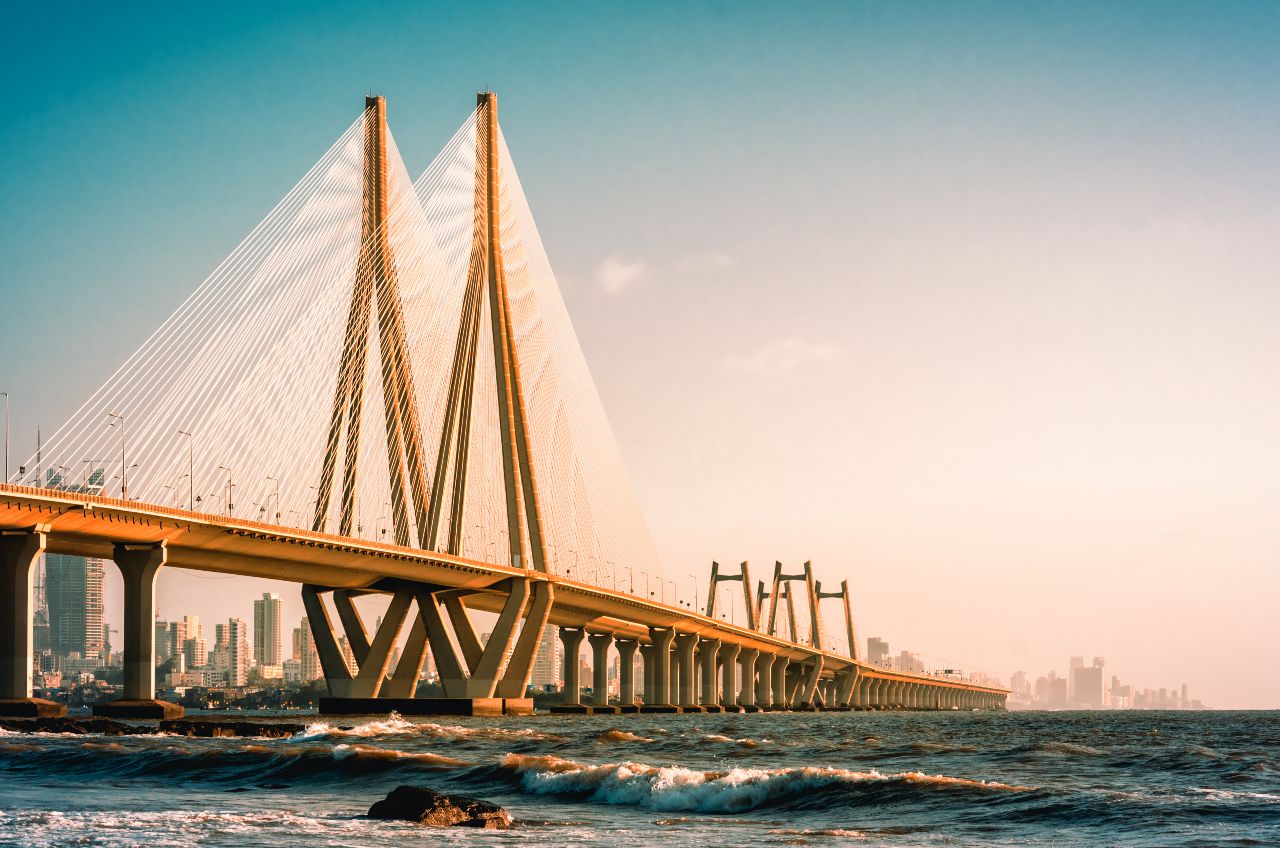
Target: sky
972,305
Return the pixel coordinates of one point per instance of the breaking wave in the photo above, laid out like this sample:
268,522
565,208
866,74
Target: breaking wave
616,735
222,763
679,789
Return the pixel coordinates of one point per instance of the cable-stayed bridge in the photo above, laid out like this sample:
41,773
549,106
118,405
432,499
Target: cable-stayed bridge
380,391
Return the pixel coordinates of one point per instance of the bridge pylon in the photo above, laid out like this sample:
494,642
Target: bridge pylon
501,667
744,577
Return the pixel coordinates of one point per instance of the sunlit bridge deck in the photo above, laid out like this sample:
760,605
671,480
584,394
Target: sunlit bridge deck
395,353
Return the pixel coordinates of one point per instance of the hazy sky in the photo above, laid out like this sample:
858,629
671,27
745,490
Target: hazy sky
976,307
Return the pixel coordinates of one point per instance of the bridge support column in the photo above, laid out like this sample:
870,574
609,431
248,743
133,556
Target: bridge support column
139,565
20,550
647,659
747,697
764,680
708,651
600,644
686,644
729,682
778,689
571,640
627,674
660,652
844,686
862,692
809,684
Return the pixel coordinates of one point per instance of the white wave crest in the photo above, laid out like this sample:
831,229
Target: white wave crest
322,730
675,788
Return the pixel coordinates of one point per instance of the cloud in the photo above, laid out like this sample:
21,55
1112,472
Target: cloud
784,357
615,276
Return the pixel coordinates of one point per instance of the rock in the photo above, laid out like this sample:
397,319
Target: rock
104,726
426,806
230,728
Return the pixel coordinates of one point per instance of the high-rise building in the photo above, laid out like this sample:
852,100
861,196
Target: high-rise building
304,651
266,629
163,645
187,637
547,666
231,651
877,651
74,588
1087,687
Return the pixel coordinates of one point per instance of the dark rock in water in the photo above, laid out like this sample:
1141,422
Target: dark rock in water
426,806
229,728
103,726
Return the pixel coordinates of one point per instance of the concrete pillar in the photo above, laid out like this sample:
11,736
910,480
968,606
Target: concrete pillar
647,660
747,657
728,685
626,671
571,639
662,638
764,680
686,643
139,565
600,644
708,650
779,686
19,552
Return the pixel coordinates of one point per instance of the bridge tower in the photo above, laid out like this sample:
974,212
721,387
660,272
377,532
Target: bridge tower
499,670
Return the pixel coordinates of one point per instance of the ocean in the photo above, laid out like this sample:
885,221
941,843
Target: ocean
868,779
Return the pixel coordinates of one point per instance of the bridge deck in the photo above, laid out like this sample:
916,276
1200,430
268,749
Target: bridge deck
90,525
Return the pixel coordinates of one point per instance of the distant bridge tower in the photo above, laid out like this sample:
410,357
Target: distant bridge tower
744,577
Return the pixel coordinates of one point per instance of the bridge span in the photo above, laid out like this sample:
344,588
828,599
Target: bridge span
692,662
488,467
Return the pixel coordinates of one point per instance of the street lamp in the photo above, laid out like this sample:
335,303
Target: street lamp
124,474
229,485
191,485
277,494
695,592
6,436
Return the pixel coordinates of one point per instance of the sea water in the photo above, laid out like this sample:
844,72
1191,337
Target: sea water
894,779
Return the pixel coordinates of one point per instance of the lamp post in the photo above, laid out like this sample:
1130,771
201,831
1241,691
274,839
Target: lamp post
124,472
191,485
229,485
6,436
277,494
695,592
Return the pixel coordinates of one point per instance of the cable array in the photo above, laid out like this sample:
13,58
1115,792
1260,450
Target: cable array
229,407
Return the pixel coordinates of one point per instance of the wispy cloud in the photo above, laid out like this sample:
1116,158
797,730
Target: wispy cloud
615,276
784,357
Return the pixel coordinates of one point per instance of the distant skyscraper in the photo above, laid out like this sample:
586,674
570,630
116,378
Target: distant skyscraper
304,651
877,651
231,651
74,588
192,645
266,629
546,662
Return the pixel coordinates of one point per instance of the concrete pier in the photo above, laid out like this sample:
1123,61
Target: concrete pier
20,550
139,565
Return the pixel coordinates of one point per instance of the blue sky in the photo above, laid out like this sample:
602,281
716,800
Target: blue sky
979,297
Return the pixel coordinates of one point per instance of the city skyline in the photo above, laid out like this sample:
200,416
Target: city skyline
1032,386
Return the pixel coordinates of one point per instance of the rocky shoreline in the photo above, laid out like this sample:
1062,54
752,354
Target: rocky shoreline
194,727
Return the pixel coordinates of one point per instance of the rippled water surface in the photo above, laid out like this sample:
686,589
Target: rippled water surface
896,779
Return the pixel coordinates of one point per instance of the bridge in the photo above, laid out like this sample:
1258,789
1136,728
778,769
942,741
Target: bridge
237,440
